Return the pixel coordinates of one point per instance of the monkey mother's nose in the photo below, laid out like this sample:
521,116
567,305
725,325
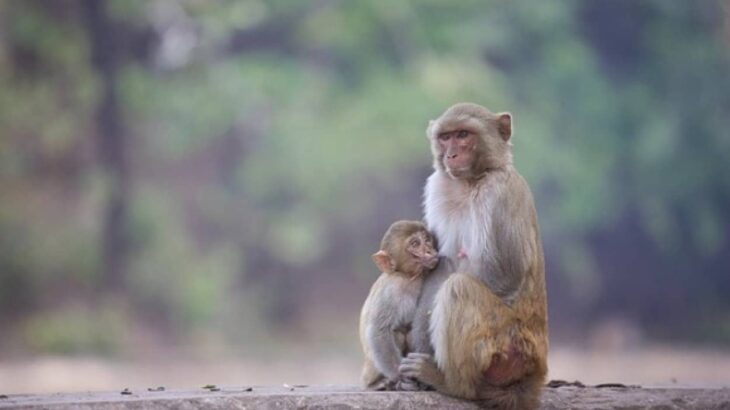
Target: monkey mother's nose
452,156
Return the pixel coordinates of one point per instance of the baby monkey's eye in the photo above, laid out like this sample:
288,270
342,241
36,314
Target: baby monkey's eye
462,134
415,242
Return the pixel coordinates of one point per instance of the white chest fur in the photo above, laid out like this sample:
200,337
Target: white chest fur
459,214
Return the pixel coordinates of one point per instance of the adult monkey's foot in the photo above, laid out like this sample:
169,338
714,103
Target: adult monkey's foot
422,367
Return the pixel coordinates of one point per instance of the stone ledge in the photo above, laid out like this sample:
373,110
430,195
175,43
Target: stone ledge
348,397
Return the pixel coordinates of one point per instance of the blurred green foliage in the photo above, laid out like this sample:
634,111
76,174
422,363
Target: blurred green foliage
76,330
271,143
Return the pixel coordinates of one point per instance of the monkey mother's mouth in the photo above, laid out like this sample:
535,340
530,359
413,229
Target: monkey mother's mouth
458,164
457,172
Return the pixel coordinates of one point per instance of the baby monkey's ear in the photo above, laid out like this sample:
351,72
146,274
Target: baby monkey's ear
383,261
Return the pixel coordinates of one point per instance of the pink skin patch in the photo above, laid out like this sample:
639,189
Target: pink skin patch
462,254
505,370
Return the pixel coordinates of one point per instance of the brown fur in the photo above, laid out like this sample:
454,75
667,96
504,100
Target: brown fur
484,312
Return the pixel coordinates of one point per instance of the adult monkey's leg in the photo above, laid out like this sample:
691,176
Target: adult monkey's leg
481,351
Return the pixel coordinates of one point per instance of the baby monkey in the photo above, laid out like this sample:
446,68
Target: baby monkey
406,253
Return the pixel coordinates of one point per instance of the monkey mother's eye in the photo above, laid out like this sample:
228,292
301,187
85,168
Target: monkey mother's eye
462,134
445,136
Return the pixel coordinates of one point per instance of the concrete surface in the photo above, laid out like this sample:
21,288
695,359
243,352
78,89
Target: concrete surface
349,397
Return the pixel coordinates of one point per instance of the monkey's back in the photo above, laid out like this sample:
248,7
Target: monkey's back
531,304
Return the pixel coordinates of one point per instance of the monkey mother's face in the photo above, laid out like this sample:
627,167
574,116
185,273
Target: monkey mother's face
457,151
468,139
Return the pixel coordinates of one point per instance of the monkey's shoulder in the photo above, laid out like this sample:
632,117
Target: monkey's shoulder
513,194
390,284
505,182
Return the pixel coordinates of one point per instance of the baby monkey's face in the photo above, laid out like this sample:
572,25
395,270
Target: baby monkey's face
407,248
420,247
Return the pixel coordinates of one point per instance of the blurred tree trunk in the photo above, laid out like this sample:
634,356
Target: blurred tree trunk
111,145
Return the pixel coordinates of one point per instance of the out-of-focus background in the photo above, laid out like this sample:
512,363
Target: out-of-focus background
190,190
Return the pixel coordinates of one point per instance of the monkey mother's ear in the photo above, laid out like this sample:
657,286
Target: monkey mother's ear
504,125
431,123
383,261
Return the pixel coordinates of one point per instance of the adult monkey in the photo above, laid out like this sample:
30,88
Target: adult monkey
483,312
